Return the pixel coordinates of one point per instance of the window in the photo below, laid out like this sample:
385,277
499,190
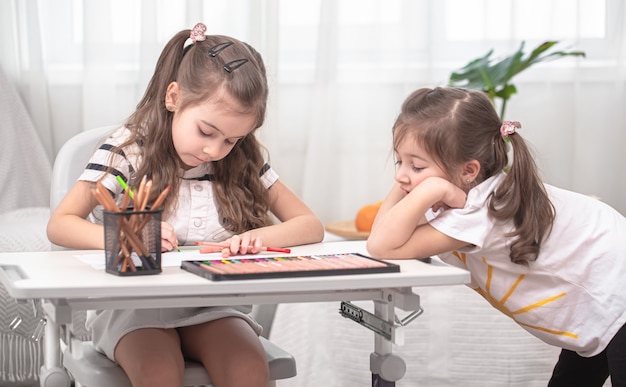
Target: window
364,40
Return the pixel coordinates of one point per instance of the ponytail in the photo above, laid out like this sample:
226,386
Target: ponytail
522,197
150,125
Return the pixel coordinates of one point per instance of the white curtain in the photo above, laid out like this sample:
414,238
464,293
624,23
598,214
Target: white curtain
338,72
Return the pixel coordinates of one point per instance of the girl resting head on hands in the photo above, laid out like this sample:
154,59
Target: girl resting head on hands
194,131
551,259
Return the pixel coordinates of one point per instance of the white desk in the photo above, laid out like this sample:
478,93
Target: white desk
67,284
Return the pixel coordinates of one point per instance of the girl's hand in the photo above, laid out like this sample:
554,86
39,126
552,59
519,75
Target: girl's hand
449,195
169,241
242,244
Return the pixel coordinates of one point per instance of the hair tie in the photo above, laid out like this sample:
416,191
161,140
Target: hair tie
198,33
508,128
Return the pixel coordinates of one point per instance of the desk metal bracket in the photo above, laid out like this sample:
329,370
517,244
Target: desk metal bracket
405,300
367,319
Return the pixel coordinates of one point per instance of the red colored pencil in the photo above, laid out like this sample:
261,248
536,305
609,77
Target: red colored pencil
226,245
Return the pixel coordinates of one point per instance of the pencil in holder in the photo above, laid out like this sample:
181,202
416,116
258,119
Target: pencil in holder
132,242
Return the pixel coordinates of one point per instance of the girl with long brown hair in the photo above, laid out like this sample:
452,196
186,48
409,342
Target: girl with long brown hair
194,132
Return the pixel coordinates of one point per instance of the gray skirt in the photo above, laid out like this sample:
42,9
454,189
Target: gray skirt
109,326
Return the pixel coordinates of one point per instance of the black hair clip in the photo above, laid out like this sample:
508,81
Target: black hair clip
215,50
234,65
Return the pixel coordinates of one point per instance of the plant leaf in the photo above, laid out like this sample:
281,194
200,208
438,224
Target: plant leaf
493,76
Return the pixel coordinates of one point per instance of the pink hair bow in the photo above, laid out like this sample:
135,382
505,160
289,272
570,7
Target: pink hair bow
197,33
508,128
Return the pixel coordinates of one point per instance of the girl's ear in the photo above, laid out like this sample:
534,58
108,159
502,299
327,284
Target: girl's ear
172,96
469,171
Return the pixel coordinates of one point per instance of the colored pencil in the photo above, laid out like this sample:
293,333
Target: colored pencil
226,245
125,186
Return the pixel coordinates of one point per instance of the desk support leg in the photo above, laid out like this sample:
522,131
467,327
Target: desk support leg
52,354
52,373
386,367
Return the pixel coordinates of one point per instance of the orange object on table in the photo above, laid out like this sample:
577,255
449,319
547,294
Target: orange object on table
366,215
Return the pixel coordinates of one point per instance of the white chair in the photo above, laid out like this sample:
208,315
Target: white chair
91,368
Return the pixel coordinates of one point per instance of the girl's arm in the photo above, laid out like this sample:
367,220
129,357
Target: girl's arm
68,225
395,195
400,229
298,224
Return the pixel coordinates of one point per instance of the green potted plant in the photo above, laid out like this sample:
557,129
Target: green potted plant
493,75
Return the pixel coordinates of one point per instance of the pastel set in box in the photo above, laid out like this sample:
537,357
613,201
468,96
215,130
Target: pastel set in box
241,267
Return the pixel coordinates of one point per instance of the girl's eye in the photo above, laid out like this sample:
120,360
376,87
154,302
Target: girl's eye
204,134
398,163
231,141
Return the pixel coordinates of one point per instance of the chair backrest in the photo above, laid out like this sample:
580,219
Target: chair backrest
72,159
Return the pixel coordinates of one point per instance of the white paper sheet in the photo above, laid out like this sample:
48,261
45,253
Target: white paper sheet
169,259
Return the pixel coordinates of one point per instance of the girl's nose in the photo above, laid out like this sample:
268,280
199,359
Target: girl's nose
215,151
400,176
209,151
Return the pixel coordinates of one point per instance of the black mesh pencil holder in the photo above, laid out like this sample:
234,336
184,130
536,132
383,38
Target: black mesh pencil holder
132,242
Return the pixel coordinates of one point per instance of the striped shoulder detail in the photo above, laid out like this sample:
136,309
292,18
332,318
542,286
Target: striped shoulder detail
96,163
111,148
264,169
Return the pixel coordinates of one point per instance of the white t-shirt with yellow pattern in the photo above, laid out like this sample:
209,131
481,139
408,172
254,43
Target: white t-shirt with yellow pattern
574,295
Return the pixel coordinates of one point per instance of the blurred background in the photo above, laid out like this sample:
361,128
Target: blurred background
338,72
